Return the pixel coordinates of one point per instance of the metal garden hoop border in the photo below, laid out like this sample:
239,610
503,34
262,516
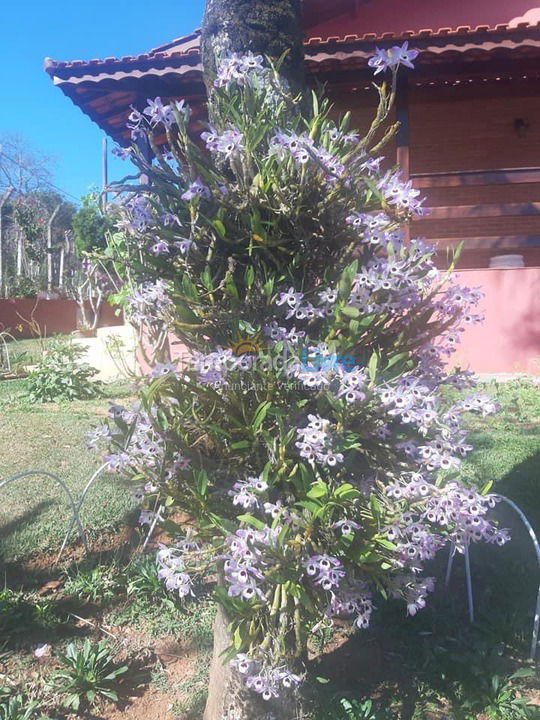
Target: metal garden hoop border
75,508
468,575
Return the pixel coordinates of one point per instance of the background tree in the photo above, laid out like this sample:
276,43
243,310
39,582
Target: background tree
24,169
91,225
29,262
28,265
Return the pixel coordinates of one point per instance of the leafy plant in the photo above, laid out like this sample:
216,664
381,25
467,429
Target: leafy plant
21,614
22,287
88,672
18,708
99,584
143,579
346,708
61,376
308,439
501,698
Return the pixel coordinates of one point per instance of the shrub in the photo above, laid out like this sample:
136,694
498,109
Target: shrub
307,437
61,376
90,225
23,287
88,672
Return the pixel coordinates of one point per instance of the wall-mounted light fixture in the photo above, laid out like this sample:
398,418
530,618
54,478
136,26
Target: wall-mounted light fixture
521,127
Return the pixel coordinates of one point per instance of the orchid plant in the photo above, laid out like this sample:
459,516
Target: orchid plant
308,435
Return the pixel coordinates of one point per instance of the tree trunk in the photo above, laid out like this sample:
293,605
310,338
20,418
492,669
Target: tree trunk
61,269
50,249
20,252
264,27
270,28
228,697
3,200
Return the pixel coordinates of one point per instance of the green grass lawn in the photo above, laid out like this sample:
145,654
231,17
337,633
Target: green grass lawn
34,514
434,666
507,446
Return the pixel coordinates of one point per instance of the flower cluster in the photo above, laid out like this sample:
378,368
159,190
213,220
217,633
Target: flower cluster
97,435
240,70
373,228
413,589
357,603
302,149
401,194
245,493
246,560
265,681
392,58
196,189
155,113
315,442
151,303
212,368
138,214
277,333
227,143
146,447
172,569
437,514
325,571
292,302
320,368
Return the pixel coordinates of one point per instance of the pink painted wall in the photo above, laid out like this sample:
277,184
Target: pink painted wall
507,342
509,339
52,316
397,16
179,353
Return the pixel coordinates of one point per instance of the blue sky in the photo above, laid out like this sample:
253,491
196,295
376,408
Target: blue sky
31,106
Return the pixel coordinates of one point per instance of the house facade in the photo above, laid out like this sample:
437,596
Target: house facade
469,134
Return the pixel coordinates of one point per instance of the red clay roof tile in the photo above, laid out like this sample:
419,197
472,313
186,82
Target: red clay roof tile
187,45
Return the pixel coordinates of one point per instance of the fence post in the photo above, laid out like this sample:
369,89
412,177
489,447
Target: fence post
49,248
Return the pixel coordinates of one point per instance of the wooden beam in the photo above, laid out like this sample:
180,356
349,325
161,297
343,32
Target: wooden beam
403,132
496,242
486,210
146,151
486,77
505,176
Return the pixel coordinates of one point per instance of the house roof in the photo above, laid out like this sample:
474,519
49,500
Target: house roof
382,17
188,45
106,88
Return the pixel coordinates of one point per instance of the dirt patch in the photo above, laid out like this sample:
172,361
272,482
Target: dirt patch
160,699
41,569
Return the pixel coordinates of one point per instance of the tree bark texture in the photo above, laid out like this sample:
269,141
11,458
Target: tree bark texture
264,27
5,197
268,28
228,697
